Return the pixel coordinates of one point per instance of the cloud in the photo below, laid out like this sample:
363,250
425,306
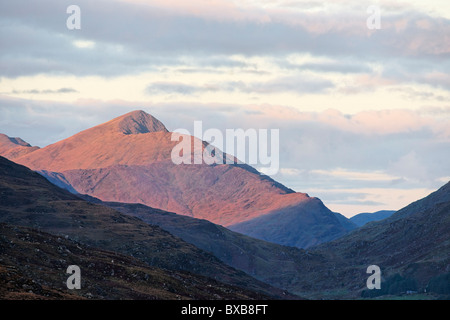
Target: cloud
413,94
332,66
85,44
172,87
294,84
47,91
120,37
366,83
356,175
410,166
216,10
379,122
297,84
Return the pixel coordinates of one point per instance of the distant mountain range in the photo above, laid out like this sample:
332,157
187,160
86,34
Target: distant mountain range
128,159
366,217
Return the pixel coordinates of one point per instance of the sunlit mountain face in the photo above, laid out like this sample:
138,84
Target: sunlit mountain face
129,159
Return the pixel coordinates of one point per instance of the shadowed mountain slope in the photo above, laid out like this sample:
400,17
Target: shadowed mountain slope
303,225
256,257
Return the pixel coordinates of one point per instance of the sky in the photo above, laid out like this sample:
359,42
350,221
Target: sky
363,113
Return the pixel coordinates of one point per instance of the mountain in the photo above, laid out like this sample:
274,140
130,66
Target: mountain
363,218
33,266
412,248
124,140
28,200
303,225
440,196
255,257
14,147
128,159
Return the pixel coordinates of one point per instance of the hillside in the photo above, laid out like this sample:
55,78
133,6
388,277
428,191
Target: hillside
255,257
33,266
29,200
413,243
413,249
303,225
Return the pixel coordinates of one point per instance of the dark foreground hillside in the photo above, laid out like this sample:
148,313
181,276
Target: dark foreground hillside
29,200
33,265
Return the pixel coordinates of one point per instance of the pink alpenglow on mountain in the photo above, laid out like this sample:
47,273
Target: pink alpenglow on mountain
14,147
128,159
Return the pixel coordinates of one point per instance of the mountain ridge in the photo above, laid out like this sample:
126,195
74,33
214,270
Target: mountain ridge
13,147
366,217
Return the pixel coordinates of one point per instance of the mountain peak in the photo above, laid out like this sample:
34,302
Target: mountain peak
15,141
12,148
137,122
